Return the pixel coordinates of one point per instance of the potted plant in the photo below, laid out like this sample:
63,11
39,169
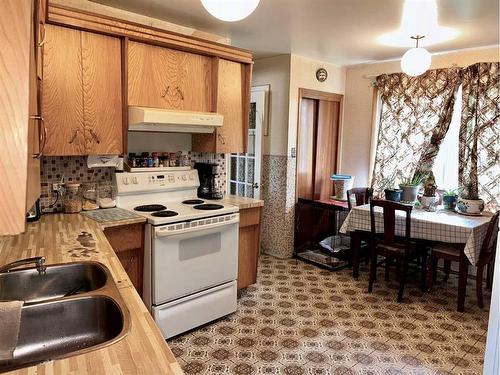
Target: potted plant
429,198
450,199
391,193
411,186
469,202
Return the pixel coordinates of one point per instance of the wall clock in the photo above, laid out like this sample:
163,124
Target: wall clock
321,74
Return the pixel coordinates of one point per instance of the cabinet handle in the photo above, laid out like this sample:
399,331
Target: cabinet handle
42,135
94,135
74,136
221,139
43,36
164,93
179,91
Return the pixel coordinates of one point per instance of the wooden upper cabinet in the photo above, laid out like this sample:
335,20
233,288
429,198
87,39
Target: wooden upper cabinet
231,137
81,93
19,115
232,92
166,78
102,94
62,103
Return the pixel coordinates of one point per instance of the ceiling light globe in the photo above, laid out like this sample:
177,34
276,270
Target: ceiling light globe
416,61
230,10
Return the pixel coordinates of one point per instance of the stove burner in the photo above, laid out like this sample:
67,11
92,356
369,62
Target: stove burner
208,206
150,208
193,201
164,213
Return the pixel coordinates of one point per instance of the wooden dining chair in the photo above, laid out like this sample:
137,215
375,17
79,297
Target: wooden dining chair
390,246
360,195
455,253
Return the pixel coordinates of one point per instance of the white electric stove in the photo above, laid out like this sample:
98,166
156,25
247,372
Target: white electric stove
191,248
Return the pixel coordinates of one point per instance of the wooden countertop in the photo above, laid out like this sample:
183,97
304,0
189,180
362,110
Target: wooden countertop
242,202
69,238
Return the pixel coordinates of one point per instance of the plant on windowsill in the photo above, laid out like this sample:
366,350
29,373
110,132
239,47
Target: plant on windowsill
450,199
391,193
469,202
411,186
429,198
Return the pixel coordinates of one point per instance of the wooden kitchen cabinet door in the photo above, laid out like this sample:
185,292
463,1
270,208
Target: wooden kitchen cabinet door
233,102
62,92
127,242
166,78
248,246
102,94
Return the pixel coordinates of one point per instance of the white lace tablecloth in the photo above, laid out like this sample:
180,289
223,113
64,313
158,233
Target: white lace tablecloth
442,226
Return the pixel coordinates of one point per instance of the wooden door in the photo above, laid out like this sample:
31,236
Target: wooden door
306,145
326,148
166,78
317,143
102,94
62,92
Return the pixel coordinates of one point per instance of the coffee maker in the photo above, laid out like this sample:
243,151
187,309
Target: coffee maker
208,186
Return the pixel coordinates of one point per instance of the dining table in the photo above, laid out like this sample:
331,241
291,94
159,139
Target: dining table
441,225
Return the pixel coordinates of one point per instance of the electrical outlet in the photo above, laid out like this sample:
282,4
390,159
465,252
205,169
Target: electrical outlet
57,186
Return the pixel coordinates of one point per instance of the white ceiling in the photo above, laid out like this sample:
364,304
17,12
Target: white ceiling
337,31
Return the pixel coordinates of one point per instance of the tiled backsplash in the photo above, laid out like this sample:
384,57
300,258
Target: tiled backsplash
74,169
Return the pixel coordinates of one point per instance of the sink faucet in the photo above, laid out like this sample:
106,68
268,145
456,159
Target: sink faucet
38,261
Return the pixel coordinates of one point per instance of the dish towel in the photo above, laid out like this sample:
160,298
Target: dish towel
10,320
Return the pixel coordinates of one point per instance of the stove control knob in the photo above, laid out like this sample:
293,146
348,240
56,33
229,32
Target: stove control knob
134,180
171,178
191,177
184,177
125,180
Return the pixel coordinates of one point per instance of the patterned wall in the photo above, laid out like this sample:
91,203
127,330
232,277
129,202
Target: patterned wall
74,169
279,198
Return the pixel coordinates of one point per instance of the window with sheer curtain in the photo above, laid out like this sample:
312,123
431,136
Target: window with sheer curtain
445,167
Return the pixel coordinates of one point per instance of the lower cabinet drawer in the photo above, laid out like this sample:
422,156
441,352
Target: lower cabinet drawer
192,311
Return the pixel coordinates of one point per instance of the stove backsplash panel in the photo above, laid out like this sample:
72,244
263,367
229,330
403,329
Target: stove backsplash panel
74,169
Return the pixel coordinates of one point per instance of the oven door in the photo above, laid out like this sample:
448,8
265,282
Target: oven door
187,259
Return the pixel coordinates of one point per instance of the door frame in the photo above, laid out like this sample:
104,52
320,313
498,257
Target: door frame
264,90
326,96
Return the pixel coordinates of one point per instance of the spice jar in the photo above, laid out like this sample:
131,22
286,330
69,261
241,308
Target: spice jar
106,195
89,194
72,200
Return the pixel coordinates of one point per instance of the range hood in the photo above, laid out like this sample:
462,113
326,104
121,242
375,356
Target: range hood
147,119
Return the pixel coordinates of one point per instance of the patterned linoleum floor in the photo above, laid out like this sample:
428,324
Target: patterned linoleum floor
299,319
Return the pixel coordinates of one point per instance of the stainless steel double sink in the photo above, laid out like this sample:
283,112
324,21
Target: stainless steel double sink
69,309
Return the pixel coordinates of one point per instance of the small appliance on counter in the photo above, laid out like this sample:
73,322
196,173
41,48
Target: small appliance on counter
208,188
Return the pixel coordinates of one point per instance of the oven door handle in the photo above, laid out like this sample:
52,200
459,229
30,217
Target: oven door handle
163,231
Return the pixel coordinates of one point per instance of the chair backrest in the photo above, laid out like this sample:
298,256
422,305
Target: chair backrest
360,195
389,213
490,240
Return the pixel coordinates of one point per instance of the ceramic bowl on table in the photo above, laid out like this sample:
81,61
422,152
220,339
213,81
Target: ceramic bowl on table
470,206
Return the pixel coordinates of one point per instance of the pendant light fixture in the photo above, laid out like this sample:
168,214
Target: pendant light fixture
416,61
230,10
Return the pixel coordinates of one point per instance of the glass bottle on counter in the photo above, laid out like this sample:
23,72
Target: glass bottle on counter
89,196
72,198
106,195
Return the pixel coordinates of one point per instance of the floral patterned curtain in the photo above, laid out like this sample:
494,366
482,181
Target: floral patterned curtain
414,118
479,148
